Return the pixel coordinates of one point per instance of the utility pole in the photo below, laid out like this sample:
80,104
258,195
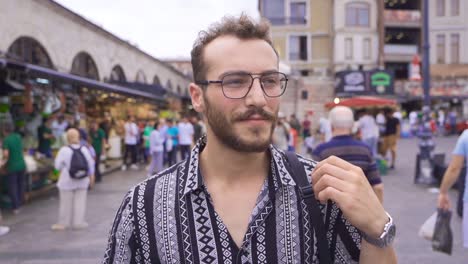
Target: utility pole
426,74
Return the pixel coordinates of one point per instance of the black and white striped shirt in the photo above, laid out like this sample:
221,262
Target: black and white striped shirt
170,218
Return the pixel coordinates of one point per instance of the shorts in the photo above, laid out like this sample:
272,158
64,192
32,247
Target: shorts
389,143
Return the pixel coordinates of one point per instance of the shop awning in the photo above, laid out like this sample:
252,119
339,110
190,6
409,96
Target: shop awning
46,73
363,101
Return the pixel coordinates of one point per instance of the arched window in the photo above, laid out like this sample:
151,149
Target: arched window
29,50
156,80
357,14
179,91
169,85
117,74
83,65
140,77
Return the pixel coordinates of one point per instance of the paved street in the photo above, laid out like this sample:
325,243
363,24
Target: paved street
31,241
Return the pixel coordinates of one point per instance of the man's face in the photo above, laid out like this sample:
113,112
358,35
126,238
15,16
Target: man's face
245,125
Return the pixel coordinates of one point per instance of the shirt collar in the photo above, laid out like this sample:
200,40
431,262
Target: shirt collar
194,180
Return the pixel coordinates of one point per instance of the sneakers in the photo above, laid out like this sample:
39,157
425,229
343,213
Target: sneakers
58,227
4,230
124,167
134,167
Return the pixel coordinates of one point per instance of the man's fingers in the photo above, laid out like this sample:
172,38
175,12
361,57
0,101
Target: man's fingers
330,193
329,169
333,160
330,181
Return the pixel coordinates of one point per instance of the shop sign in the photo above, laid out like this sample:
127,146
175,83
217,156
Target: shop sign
454,88
375,82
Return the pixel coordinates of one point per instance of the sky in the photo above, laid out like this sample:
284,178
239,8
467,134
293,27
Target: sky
163,28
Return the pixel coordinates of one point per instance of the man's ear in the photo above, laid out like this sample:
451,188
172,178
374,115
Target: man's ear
196,93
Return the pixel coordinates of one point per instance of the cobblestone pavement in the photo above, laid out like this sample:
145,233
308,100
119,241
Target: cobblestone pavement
31,241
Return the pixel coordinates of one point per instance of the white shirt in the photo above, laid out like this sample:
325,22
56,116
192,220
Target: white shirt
62,163
368,127
185,133
156,141
131,133
413,117
59,128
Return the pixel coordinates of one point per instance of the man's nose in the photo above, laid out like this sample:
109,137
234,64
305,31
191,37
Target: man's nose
256,96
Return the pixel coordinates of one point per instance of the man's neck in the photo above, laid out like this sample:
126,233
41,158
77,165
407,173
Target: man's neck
341,132
223,165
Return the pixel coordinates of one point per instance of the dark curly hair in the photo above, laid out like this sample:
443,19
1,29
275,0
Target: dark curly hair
242,27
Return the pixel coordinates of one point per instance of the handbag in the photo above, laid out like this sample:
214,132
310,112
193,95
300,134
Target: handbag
307,194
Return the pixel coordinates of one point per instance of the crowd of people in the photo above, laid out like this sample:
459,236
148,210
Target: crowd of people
72,143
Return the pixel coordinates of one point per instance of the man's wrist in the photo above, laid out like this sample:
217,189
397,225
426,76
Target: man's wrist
378,226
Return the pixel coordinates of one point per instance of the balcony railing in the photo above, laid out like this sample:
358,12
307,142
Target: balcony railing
281,21
401,49
408,17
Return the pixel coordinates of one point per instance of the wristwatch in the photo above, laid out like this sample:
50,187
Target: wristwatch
386,238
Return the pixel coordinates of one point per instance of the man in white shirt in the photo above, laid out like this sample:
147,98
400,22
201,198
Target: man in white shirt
369,131
185,137
131,140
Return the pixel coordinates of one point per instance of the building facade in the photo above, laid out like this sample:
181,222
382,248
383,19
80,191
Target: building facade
356,35
45,33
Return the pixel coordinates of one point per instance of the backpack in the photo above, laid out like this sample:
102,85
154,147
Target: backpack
78,164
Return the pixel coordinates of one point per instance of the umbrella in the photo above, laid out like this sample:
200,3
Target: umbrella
364,101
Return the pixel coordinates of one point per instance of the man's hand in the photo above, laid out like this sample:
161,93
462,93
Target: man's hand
346,185
443,201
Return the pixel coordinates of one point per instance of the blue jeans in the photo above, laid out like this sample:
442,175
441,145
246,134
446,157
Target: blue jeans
16,188
372,143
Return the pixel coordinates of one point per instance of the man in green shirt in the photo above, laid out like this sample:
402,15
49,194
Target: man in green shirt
15,166
98,140
146,136
45,136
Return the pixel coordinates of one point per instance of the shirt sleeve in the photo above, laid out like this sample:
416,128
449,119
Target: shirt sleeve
122,246
462,145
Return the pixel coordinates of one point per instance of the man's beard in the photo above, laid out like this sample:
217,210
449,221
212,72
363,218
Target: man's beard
223,128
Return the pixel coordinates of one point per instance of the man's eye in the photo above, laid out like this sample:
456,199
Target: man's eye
235,81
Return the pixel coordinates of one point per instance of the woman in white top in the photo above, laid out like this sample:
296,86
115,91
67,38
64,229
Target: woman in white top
156,149
72,192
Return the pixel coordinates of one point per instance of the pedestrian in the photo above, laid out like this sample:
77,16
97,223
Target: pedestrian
156,150
185,137
369,131
281,133
146,137
459,157
131,141
390,136
45,137
99,143
295,124
15,166
343,145
72,191
172,142
452,119
197,128
306,126
58,127
325,129
235,199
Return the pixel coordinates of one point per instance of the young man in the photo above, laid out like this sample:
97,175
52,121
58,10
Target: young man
15,166
390,137
131,140
45,136
460,155
233,200
99,142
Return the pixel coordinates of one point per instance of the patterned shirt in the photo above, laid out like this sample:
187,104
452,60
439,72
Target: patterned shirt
170,218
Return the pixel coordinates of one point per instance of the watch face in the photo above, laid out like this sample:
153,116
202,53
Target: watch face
388,239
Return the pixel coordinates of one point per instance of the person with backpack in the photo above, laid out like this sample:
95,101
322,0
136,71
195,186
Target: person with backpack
76,168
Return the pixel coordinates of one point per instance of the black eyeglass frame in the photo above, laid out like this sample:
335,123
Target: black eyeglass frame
260,75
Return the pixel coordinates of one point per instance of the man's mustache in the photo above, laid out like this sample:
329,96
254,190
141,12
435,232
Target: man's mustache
256,111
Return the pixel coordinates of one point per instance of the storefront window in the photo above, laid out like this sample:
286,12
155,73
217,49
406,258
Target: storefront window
83,65
117,74
29,50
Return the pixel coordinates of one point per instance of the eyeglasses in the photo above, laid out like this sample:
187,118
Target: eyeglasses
237,85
